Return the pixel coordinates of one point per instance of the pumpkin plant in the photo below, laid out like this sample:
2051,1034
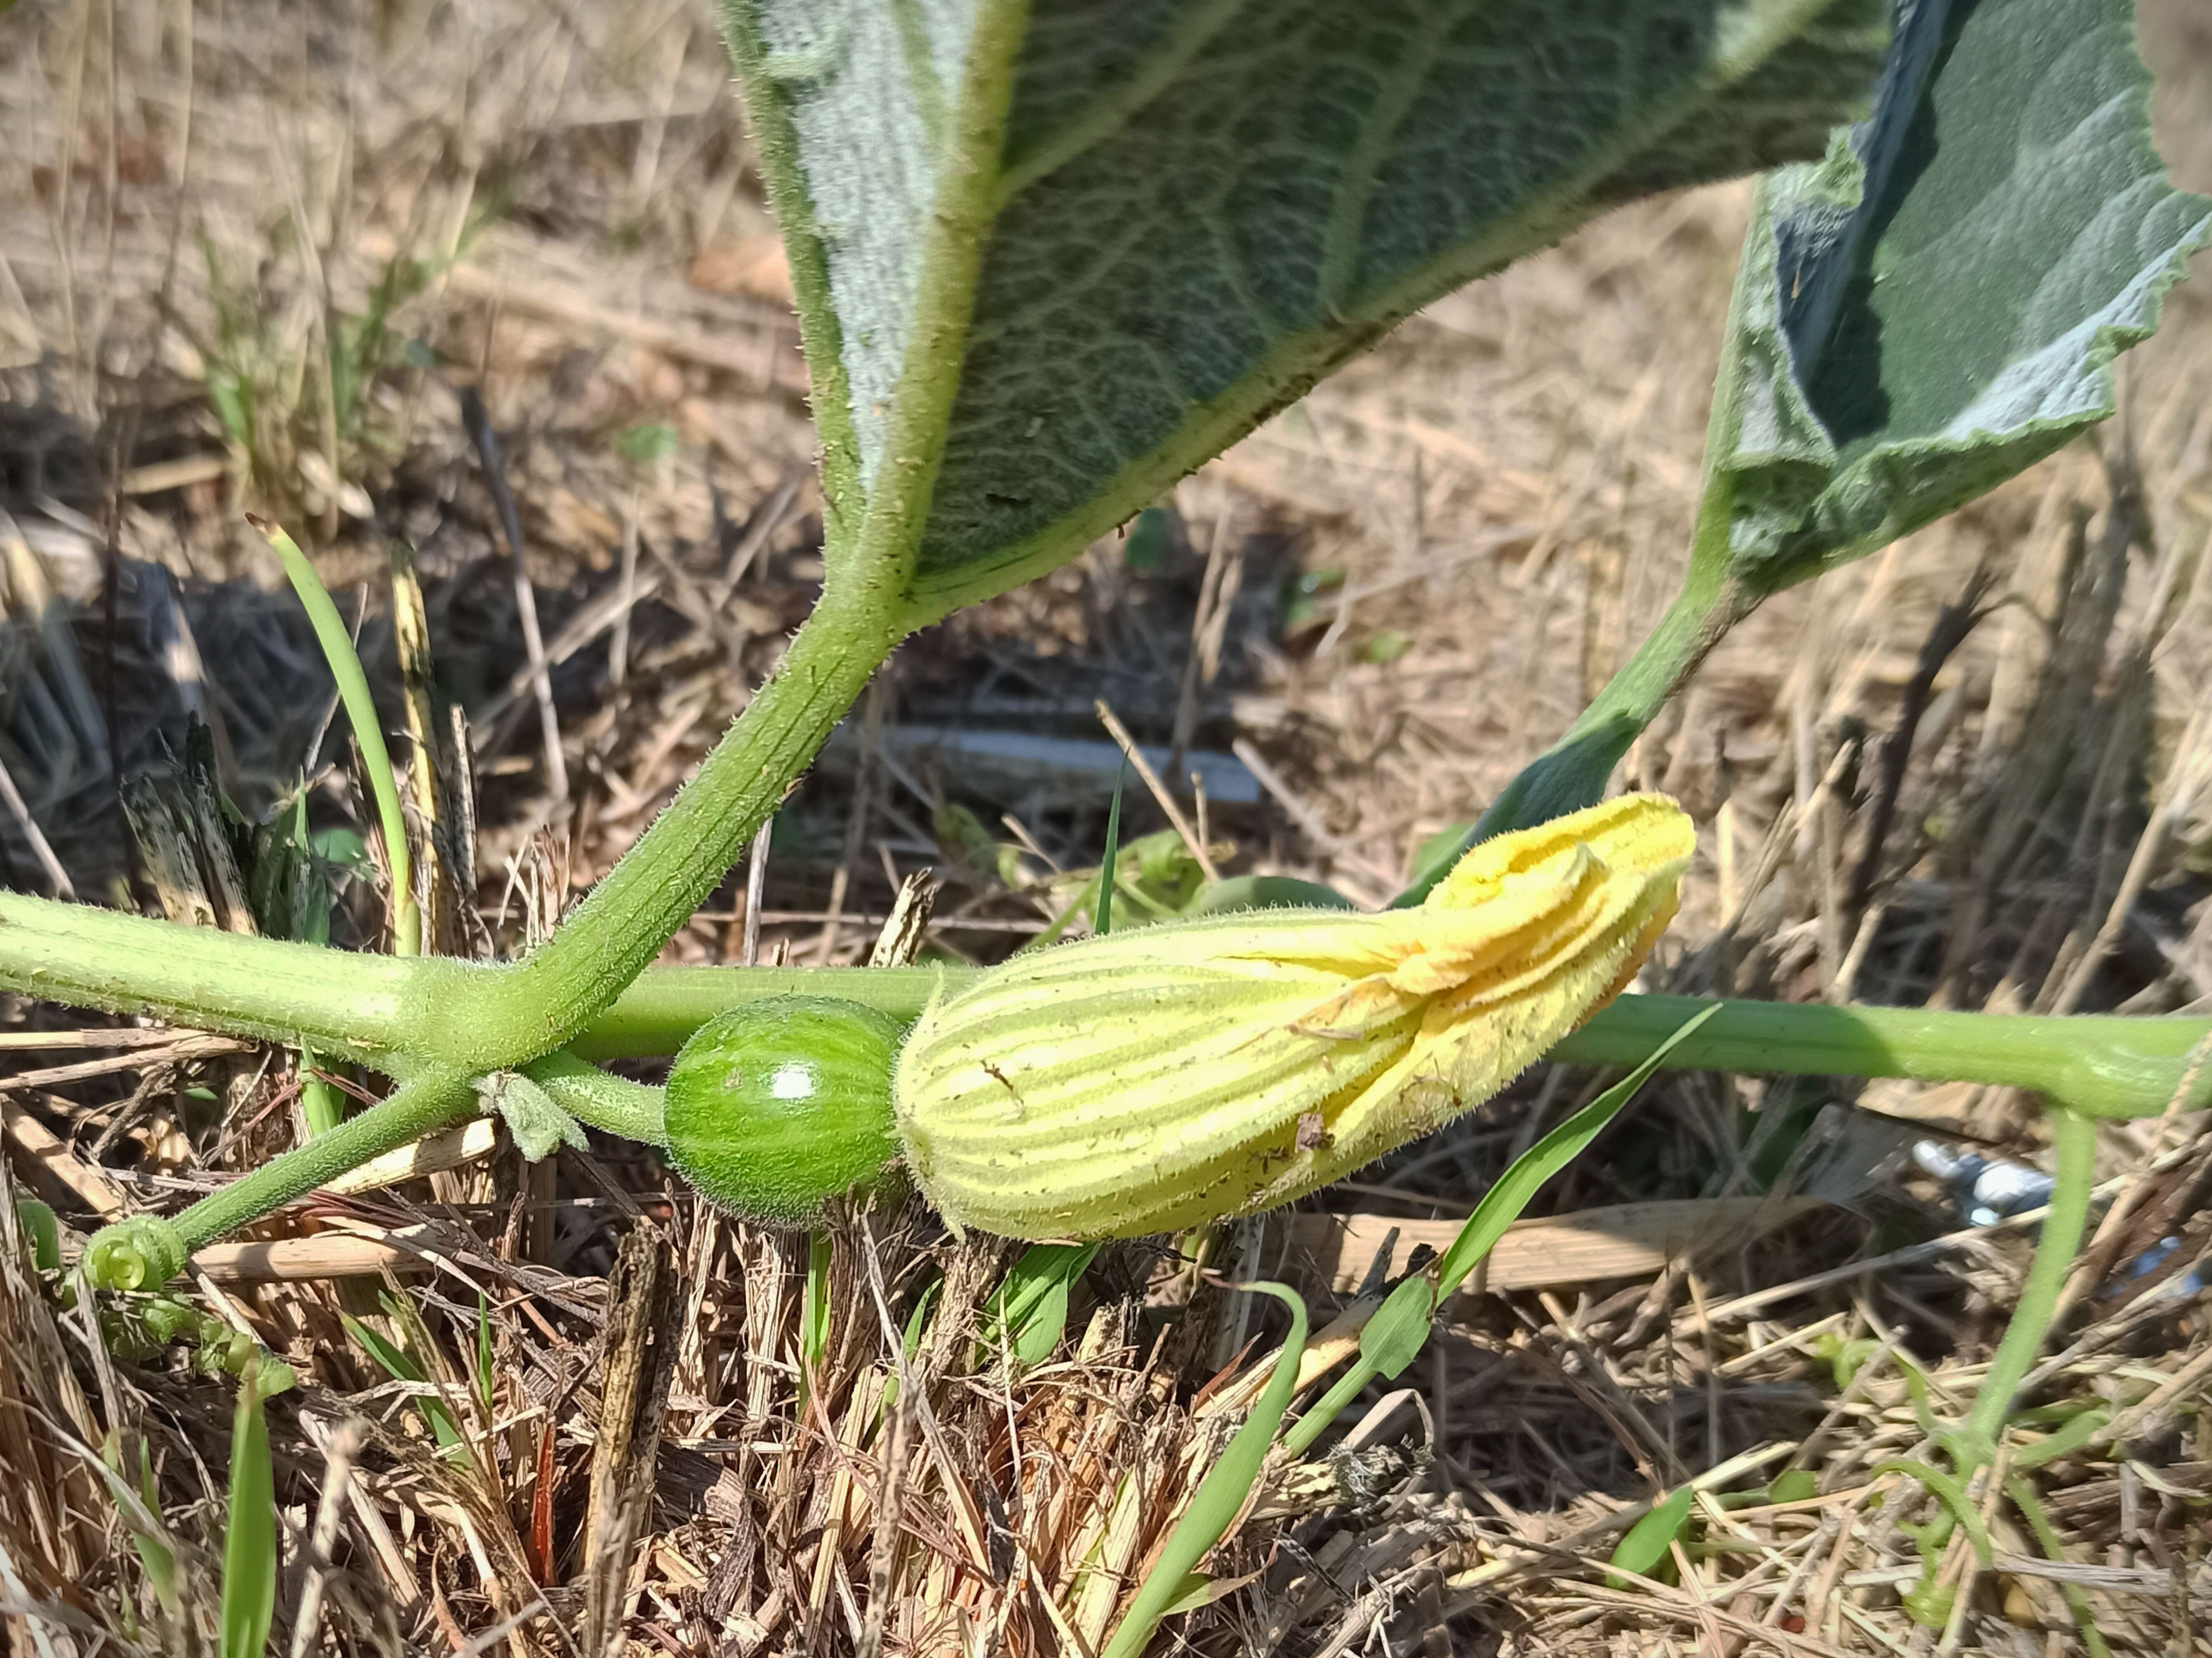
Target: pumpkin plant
1048,260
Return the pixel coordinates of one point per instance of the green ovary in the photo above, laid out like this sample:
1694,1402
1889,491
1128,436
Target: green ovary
780,1105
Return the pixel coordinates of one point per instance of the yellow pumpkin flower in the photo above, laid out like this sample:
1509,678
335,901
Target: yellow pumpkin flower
1156,1079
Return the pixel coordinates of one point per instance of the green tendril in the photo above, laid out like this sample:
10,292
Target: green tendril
137,1254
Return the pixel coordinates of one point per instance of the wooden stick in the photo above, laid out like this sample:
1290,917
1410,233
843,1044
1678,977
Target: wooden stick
449,1148
325,1255
51,1161
1628,1239
1120,733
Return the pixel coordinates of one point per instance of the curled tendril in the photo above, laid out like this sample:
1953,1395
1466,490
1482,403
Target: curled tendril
143,1253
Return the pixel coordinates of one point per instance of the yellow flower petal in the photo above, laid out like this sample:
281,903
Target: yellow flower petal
1154,1079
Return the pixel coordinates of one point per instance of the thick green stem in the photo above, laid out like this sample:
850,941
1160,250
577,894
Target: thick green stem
2099,1064
269,988
417,1108
429,1011
545,999
2073,1176
1571,774
658,1013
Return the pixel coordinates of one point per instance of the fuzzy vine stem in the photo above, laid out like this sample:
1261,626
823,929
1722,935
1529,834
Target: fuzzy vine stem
146,1251
430,1013
2099,1064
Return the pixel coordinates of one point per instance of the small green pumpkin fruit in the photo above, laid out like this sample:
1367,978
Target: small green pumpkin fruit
779,1104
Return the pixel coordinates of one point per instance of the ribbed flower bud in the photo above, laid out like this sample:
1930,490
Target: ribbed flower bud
1155,1080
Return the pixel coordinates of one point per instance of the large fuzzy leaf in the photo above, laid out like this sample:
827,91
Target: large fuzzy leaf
1929,310
1937,305
1048,258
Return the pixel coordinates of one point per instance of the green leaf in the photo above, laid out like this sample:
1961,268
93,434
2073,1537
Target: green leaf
1028,1312
1049,259
647,444
1937,305
1643,1549
1237,892
1151,537
536,1119
1501,1205
1394,1338
1793,1486
1929,310
249,1543
42,1231
1386,647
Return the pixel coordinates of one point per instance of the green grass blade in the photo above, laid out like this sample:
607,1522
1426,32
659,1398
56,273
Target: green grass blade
249,1544
1643,1548
1028,1312
485,1374
1220,1495
154,1553
1399,1327
361,714
401,1366
814,1315
2054,1550
1108,866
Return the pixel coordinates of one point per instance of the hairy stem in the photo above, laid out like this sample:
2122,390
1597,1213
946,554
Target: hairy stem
419,1107
432,1013
536,1004
277,990
614,1105
2101,1065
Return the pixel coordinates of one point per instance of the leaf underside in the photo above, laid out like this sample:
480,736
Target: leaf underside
1197,208
1937,305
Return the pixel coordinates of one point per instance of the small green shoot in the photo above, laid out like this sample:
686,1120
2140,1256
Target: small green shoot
1102,918
1150,538
1647,1547
643,446
487,1375
291,888
814,1314
42,1231
2054,1550
1385,648
361,714
249,1543
402,1366
917,1325
1220,1497
141,1510
1027,1314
